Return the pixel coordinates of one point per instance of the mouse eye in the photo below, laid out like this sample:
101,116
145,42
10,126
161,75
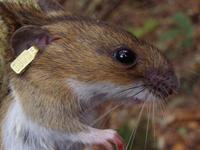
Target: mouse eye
125,56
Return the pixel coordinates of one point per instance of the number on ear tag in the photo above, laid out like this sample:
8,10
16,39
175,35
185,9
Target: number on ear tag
24,59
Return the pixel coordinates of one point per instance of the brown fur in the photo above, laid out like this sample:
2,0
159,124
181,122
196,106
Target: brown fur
75,55
38,12
84,51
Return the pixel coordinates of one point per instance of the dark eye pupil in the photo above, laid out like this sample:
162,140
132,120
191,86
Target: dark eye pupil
125,56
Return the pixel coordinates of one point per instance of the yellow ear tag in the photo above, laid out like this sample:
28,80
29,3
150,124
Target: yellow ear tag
24,59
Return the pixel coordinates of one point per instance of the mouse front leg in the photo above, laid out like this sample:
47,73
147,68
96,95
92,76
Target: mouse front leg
106,138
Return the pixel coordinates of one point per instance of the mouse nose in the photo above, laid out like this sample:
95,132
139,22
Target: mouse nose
162,83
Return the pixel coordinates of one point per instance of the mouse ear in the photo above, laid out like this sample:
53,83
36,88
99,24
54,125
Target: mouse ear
28,36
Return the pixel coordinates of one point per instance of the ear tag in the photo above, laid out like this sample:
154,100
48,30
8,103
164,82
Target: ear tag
24,59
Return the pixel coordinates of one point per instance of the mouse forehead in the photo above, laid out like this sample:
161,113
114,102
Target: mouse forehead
91,32
85,36
82,50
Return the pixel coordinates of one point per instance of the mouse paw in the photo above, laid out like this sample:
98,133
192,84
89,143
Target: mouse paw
112,137
107,138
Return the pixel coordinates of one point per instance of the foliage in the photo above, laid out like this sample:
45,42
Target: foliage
180,34
149,26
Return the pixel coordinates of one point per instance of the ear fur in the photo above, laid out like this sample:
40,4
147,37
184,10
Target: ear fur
28,36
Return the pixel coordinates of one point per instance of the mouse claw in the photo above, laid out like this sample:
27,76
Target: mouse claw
118,142
110,137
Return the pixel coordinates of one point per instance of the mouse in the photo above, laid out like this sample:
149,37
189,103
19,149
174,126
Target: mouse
81,64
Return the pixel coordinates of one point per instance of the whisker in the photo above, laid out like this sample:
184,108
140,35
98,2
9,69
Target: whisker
174,91
117,106
162,107
105,114
153,120
166,91
159,108
133,134
128,90
91,108
196,73
147,128
104,121
142,85
163,99
139,92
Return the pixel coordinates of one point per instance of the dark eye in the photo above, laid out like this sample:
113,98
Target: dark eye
125,56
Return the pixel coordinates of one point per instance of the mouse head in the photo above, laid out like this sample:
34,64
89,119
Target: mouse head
94,59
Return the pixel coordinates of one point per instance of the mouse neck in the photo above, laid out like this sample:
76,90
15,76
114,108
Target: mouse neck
51,109
38,120
20,132
54,105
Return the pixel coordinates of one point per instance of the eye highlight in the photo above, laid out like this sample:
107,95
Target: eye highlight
125,56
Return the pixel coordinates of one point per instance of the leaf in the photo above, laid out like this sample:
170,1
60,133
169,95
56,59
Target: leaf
125,132
187,43
184,23
148,26
169,35
183,31
183,131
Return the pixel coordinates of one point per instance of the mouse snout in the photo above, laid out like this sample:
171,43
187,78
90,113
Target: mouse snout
162,83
